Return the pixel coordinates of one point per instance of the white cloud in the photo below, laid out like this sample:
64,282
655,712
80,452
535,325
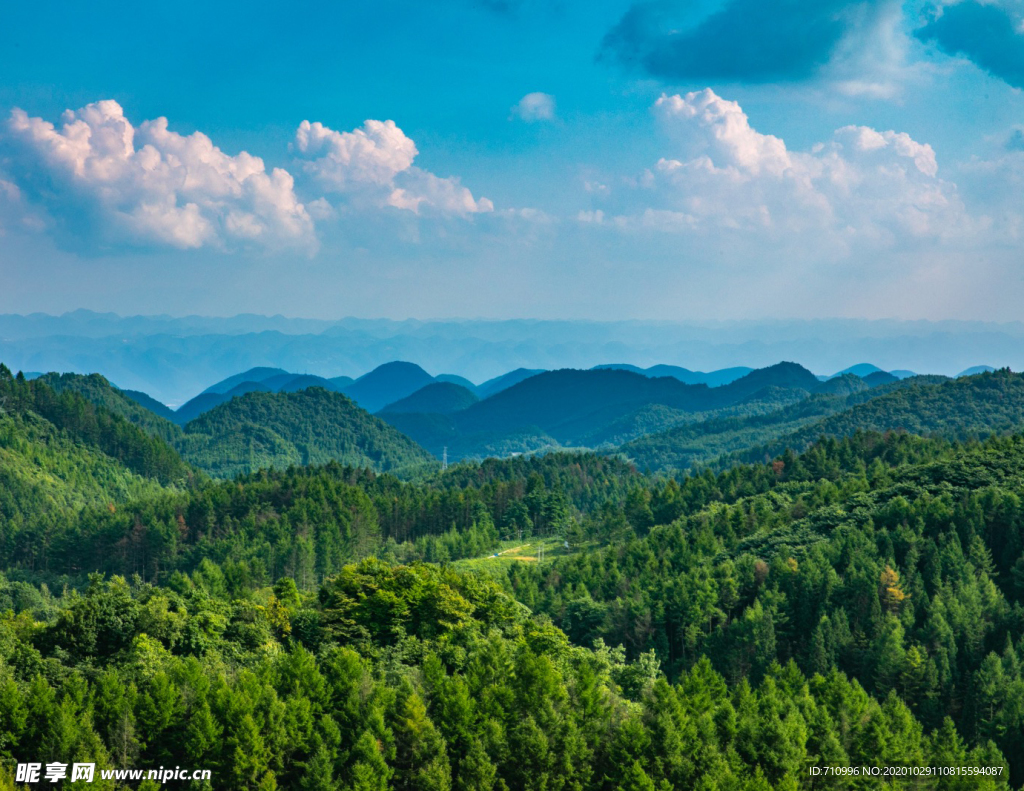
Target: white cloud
107,181
727,131
860,185
372,155
374,165
535,107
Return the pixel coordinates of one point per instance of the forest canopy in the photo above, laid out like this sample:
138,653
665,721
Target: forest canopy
859,603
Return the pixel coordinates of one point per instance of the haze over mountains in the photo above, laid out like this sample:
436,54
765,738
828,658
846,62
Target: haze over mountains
174,359
398,416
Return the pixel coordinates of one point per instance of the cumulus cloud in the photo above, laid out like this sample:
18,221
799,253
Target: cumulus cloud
746,40
107,182
535,107
373,165
987,33
863,184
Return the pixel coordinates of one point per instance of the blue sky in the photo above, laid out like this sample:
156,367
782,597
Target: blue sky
730,159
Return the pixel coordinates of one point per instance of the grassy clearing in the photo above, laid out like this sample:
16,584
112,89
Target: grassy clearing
534,550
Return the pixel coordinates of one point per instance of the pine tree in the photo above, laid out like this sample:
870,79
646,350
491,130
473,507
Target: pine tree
248,755
890,591
369,772
636,779
421,760
318,771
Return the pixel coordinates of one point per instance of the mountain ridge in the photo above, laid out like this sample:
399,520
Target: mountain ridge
278,430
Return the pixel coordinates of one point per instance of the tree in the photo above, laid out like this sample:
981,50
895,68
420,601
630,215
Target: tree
369,772
421,760
890,590
636,779
248,756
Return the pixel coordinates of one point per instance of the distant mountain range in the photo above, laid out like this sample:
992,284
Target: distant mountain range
525,410
271,417
712,379
386,384
595,408
173,359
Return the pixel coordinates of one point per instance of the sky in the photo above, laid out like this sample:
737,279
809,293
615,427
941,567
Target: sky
691,160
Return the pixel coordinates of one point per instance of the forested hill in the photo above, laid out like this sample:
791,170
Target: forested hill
266,380
972,406
60,455
137,408
753,433
440,398
854,606
568,402
47,474
79,420
312,426
551,622
895,559
702,442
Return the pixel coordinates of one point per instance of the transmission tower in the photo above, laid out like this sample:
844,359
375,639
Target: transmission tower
444,459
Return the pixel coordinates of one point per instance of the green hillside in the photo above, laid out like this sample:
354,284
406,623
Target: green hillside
700,442
45,473
244,435
321,623
277,430
131,406
60,454
968,407
438,398
94,426
599,408
858,602
897,560
755,428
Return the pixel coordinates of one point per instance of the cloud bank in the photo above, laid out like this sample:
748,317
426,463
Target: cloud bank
103,180
374,165
862,185
102,184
